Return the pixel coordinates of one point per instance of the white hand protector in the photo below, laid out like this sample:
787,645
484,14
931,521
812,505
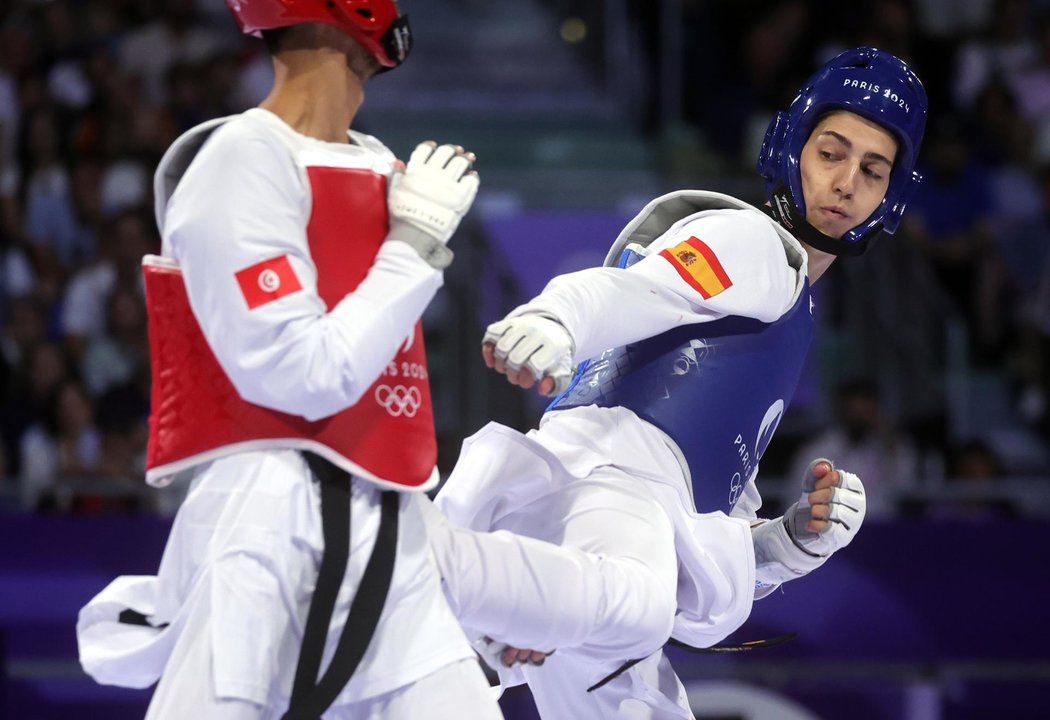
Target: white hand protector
845,514
536,342
785,549
434,191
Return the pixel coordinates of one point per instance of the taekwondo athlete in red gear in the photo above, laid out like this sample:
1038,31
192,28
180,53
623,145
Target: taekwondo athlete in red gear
290,386
689,343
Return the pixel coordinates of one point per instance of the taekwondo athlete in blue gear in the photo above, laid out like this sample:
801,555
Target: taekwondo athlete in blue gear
739,355
689,343
659,380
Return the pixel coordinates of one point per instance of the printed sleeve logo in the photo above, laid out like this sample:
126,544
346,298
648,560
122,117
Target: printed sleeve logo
697,264
268,281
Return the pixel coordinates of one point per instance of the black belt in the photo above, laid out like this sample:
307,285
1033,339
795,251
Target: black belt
312,696
742,647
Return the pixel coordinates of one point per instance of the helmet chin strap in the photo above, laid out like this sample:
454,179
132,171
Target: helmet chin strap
397,41
782,208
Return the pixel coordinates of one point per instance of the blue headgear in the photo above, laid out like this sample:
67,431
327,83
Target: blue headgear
875,85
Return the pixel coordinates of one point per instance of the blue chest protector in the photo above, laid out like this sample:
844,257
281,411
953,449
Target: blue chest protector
718,389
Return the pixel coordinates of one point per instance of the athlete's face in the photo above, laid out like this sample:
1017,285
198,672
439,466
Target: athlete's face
845,168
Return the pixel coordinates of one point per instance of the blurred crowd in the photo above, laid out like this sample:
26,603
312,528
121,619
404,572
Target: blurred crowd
93,92
91,95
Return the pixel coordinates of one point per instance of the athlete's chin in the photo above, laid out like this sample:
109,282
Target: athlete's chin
830,223
832,230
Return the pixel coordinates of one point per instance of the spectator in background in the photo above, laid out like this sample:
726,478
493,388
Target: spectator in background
23,328
952,19
17,278
1034,361
990,122
185,96
122,414
123,420
64,46
127,238
44,369
770,47
1017,212
16,273
124,187
9,122
18,55
890,25
949,223
1032,87
53,233
974,470
863,439
120,355
221,75
61,449
1002,49
121,123
899,26
174,36
974,460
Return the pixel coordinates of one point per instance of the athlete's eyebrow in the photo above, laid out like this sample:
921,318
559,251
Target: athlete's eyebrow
849,144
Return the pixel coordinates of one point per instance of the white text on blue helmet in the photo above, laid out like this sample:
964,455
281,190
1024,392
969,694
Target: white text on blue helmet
872,87
861,84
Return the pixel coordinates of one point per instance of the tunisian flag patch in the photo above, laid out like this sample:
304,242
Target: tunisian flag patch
267,281
698,266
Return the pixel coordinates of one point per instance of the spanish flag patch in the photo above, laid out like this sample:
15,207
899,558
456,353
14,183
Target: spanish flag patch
698,266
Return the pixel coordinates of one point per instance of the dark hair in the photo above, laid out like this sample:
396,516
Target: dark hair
51,416
858,386
307,35
273,38
973,448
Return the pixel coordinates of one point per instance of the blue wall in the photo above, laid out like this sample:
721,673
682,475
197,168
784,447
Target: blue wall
957,606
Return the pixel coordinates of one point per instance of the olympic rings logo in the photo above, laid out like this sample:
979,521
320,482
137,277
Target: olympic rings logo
399,400
269,281
736,486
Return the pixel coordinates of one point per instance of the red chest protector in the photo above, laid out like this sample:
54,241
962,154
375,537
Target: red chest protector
197,415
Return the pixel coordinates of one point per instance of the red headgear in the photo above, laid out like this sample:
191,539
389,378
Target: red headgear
376,25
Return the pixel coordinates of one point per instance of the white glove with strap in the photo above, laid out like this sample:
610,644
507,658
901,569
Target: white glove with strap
430,196
536,342
786,549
